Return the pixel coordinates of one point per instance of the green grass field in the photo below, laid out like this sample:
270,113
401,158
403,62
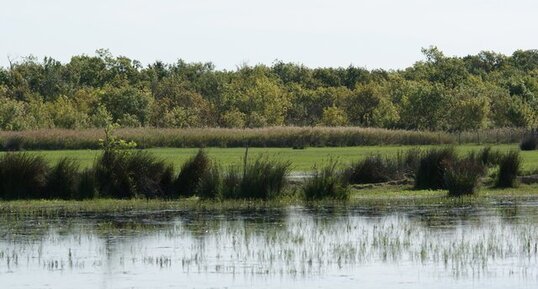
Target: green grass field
302,160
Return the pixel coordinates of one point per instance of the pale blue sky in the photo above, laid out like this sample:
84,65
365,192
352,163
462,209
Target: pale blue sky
373,34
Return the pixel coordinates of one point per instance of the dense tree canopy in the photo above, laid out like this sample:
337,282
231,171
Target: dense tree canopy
439,93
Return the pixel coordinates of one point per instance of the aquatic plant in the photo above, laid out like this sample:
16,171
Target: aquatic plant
509,168
87,185
62,180
22,176
374,169
191,174
528,143
326,183
432,166
462,176
127,174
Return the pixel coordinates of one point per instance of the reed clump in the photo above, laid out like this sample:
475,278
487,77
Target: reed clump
528,143
22,176
462,176
509,168
431,168
326,183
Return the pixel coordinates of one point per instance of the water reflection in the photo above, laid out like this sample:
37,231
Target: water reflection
399,247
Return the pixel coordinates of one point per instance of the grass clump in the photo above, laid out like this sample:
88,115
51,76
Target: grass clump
326,183
261,179
192,172
431,169
509,168
22,176
86,186
62,181
528,143
462,177
374,169
124,174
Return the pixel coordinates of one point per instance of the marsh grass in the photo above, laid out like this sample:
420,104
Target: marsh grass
509,168
432,166
528,142
22,176
374,169
326,183
123,174
299,137
62,180
192,172
87,185
261,179
462,176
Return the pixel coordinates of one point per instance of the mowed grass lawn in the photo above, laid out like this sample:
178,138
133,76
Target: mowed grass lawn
302,160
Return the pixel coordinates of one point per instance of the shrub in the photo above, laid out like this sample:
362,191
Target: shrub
462,177
374,169
431,169
190,176
62,180
22,176
528,143
327,182
509,168
125,174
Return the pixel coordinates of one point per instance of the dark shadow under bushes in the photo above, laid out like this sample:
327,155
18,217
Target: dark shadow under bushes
326,183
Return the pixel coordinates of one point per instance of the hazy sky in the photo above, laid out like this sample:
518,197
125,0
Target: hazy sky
372,34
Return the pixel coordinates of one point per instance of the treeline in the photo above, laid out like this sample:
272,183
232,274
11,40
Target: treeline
487,90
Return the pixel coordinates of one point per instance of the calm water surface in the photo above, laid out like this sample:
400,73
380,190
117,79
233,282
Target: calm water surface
494,246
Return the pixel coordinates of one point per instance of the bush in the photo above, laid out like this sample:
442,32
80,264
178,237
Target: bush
22,176
509,168
190,176
125,174
462,177
62,180
326,183
528,143
431,169
374,169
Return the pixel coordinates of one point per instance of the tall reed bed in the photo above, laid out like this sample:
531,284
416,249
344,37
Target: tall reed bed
52,139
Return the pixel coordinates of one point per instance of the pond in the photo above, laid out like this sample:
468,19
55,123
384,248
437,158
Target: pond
473,246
